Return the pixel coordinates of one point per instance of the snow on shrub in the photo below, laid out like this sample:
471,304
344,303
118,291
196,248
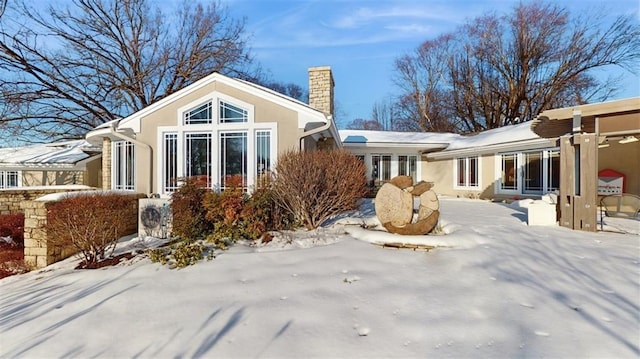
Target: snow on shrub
91,223
317,185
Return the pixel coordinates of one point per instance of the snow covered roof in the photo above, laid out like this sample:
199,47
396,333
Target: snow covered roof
419,140
500,135
59,154
443,145
507,138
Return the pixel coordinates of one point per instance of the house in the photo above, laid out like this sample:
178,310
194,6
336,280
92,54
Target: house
508,162
54,164
215,128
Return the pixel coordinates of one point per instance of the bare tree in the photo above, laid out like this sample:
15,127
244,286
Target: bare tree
497,70
422,76
64,71
289,89
362,124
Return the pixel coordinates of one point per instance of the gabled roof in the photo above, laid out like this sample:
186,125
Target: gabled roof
67,154
307,114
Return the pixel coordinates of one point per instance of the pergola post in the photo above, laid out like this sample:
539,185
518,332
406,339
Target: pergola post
578,181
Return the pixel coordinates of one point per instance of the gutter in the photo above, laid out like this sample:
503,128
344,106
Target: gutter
113,131
318,130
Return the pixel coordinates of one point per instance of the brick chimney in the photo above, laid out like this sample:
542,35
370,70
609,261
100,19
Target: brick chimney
321,89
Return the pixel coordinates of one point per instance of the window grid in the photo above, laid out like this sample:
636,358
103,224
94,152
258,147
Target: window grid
170,151
8,179
467,172
407,166
509,180
263,152
199,115
198,148
232,114
381,167
124,164
233,157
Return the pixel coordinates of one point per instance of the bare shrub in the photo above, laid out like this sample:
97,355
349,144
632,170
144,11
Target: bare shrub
317,185
91,223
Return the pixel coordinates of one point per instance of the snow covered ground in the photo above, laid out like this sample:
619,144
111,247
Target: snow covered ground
494,287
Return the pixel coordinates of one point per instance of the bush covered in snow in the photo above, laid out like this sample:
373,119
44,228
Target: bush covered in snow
92,223
316,185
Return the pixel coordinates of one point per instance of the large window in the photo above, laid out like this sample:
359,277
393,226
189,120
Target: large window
123,165
198,156
216,140
9,179
170,164
407,166
531,172
233,157
466,172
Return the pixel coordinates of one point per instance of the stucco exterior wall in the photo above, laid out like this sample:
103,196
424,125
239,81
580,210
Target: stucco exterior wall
441,173
52,178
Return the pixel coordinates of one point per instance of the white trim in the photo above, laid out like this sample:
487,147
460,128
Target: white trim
467,187
123,165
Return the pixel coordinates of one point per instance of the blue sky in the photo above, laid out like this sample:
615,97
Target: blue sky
360,39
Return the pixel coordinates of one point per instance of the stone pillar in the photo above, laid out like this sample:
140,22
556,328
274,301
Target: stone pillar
106,163
321,89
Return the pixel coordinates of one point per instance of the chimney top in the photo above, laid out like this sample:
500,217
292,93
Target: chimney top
321,86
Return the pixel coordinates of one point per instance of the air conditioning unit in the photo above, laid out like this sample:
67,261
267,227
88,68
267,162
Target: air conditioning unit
154,217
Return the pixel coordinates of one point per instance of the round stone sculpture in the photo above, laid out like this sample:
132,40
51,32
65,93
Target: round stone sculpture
395,206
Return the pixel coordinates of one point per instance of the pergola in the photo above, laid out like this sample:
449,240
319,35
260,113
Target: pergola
581,131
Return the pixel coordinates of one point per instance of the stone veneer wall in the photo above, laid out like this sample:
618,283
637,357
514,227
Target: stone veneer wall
106,163
37,251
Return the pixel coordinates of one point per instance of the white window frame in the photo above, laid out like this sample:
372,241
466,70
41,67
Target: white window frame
119,167
520,158
467,185
215,128
4,178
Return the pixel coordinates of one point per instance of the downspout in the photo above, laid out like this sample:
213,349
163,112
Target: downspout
113,131
317,130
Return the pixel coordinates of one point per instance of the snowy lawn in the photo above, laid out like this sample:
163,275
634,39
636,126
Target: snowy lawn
496,288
